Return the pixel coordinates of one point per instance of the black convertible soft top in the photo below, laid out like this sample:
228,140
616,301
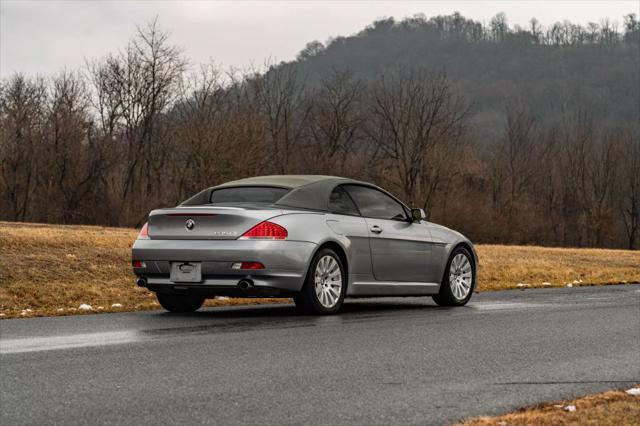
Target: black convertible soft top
309,192
305,191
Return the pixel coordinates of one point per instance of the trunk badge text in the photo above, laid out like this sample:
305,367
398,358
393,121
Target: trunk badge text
190,224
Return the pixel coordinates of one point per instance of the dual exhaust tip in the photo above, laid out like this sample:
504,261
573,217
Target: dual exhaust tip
244,284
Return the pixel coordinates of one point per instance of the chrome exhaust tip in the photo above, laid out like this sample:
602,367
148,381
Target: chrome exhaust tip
141,281
245,284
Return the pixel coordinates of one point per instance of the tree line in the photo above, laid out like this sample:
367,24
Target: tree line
137,130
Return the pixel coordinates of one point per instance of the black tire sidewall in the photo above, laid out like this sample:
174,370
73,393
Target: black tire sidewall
180,302
445,295
308,299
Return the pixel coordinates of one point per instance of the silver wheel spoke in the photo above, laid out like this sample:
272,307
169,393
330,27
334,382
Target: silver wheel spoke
328,281
329,298
460,276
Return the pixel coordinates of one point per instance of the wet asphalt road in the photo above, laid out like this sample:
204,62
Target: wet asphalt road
381,361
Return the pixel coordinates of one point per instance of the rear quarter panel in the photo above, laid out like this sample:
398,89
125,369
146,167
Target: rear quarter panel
349,232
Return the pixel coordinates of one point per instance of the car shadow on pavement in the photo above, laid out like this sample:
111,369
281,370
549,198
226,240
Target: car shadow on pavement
281,316
350,307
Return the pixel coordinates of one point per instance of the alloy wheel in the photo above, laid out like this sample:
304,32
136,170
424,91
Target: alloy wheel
328,281
460,276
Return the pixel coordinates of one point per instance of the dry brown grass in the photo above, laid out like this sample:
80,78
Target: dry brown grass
52,269
505,266
609,408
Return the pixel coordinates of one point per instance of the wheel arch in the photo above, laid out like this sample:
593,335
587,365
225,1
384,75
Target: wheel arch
340,251
469,248
474,260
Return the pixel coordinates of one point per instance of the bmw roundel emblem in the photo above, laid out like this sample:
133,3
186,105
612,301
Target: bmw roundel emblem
190,224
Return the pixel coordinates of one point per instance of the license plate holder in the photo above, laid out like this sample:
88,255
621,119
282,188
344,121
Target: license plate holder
186,272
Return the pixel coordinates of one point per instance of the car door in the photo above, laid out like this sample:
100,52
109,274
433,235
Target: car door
345,220
400,248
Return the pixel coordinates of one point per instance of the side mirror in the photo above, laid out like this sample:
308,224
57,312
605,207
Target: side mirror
417,215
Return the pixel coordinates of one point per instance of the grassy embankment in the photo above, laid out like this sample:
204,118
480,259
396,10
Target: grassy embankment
52,269
604,409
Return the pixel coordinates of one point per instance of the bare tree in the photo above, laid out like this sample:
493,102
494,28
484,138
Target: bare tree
335,123
412,112
73,161
499,26
214,122
630,187
511,162
134,89
21,124
280,93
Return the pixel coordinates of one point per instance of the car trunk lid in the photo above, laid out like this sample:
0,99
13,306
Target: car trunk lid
206,222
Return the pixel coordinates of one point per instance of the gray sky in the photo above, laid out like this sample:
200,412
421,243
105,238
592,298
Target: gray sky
47,36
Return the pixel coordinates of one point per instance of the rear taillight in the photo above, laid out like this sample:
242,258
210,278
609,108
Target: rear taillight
247,265
265,231
138,264
144,233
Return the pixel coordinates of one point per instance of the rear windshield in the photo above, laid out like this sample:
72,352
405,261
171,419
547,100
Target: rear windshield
247,194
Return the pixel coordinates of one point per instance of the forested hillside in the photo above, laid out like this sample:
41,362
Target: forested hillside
563,66
508,134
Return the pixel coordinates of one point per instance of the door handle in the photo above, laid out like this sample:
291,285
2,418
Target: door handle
376,229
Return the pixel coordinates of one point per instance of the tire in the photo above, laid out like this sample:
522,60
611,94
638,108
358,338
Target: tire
325,285
462,268
180,302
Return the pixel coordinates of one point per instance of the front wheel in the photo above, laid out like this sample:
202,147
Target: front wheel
459,279
180,302
325,286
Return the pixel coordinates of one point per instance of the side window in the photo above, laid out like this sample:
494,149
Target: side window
376,204
341,203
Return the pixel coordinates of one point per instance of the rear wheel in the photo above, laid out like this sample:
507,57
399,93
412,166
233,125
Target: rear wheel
325,286
459,279
180,302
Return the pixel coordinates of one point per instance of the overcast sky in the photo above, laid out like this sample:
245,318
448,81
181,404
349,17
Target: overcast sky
46,36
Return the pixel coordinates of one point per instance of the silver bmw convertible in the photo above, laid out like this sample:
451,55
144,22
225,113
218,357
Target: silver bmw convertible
317,239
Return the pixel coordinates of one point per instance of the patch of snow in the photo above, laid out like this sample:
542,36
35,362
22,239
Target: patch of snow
580,281
60,309
222,298
570,408
117,305
558,406
522,285
2,315
569,285
71,256
546,284
100,308
576,282
633,391
85,307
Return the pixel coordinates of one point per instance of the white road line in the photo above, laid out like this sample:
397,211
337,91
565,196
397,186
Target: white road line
38,344
503,306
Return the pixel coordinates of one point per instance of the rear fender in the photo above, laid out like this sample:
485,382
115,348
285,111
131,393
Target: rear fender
312,227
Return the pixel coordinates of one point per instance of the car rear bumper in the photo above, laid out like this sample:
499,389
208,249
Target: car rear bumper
285,262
